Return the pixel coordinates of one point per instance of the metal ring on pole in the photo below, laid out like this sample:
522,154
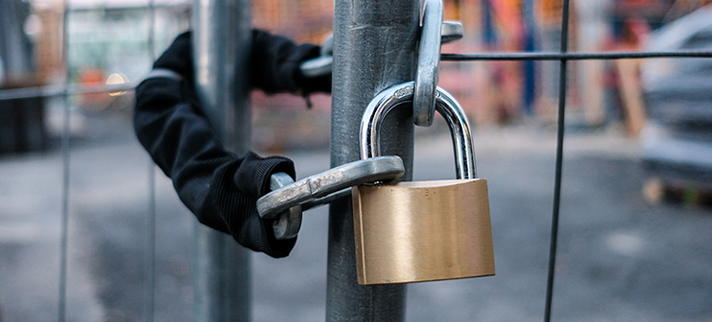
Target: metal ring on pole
451,31
446,105
426,79
320,66
321,186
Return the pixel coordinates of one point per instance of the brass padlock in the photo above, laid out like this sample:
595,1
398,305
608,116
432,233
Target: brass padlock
426,230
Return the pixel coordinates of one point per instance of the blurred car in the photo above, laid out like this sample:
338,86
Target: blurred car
677,141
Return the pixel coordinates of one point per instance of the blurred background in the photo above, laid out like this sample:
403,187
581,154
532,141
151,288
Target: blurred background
635,241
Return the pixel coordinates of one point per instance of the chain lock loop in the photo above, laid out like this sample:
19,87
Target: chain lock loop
325,187
426,78
434,32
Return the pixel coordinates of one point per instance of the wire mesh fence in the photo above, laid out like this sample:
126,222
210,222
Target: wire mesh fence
70,94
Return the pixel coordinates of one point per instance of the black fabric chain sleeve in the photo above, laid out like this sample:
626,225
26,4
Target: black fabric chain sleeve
178,57
275,61
221,189
252,178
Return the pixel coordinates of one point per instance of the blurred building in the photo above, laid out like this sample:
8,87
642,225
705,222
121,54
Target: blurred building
15,45
106,37
21,120
598,91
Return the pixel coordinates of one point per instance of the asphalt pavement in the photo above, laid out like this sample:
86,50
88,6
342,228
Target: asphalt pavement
619,258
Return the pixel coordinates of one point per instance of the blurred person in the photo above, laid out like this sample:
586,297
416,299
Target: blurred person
219,187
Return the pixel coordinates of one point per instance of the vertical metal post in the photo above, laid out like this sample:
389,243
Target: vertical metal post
560,127
15,46
64,228
150,257
529,65
375,47
221,38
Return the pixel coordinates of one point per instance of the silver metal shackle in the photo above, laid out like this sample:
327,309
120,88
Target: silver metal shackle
446,105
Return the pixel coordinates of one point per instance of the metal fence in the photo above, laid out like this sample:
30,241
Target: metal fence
564,57
65,91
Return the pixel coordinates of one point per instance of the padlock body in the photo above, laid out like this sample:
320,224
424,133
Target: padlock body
422,231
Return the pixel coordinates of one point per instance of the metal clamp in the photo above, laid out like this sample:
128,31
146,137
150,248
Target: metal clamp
329,185
320,66
451,31
426,78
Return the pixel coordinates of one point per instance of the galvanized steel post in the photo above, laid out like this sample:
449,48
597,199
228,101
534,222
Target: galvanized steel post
374,48
221,39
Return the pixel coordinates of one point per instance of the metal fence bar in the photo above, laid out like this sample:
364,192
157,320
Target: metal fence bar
61,90
574,55
150,287
150,260
64,228
559,161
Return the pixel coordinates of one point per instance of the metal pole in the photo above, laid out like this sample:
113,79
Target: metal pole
221,38
375,47
64,233
150,268
560,128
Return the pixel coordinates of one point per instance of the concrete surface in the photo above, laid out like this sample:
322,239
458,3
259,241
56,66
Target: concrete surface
620,259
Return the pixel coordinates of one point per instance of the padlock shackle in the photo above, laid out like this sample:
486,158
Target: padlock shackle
446,105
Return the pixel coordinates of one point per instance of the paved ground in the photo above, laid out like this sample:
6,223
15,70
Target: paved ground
620,259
